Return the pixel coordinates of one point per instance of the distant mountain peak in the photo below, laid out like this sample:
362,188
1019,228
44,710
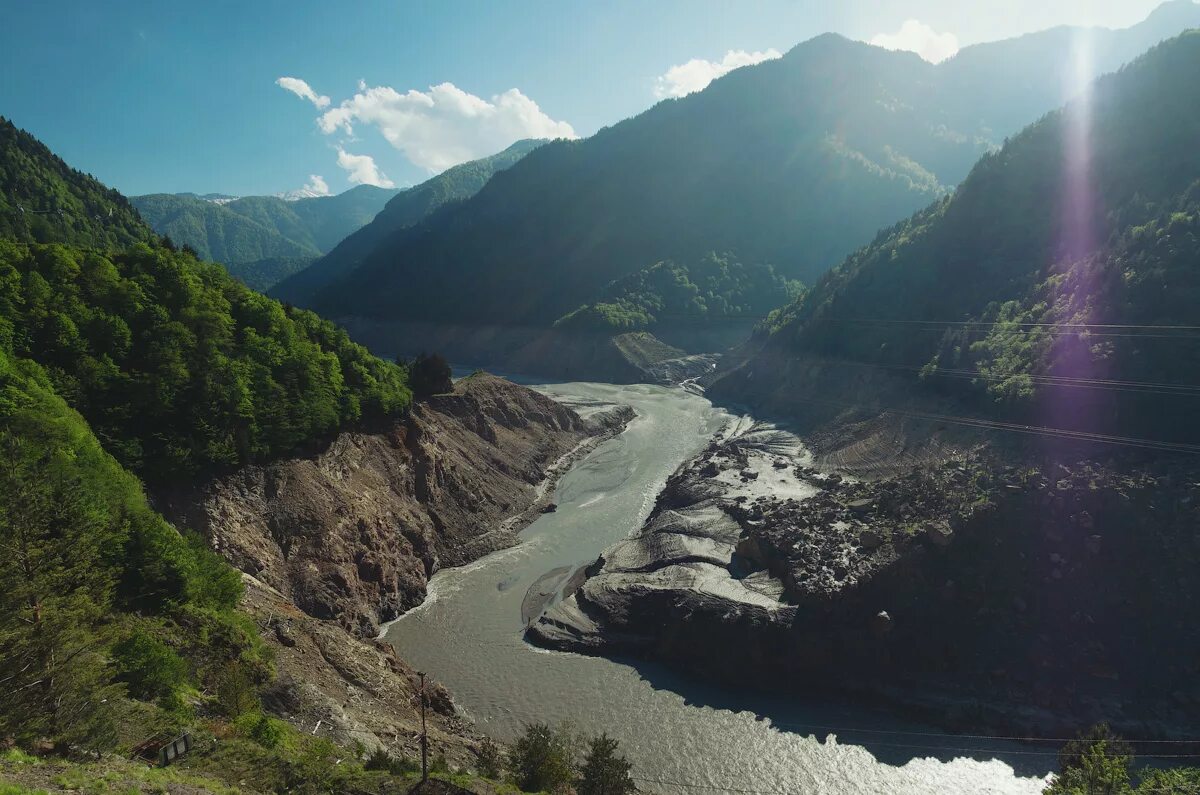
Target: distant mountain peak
301,193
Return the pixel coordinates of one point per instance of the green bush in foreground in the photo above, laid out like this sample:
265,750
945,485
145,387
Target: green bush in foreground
1101,763
546,759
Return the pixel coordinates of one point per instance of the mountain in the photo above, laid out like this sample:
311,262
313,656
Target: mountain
261,239
405,209
716,294
792,162
219,234
121,357
42,199
137,381
319,221
1035,71
1048,270
983,504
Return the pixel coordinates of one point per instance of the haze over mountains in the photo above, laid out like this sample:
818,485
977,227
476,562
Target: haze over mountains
1032,291
793,162
408,208
976,307
261,239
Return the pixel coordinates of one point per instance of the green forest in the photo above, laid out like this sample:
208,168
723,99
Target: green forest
712,289
44,200
979,296
261,240
111,620
126,361
176,366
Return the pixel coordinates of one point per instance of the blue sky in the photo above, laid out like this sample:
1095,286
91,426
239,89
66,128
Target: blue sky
167,96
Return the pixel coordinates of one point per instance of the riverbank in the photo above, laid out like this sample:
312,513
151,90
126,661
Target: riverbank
469,635
907,566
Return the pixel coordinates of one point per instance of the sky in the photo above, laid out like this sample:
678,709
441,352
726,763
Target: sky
277,96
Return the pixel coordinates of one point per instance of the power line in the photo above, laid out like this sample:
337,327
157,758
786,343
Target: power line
1005,737
1152,332
708,786
1035,430
1104,384
984,323
1108,329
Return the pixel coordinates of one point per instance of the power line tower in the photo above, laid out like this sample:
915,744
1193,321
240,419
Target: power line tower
424,734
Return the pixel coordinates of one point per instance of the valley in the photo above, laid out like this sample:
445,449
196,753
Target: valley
469,631
826,425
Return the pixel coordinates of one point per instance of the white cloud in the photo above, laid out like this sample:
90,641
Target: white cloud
316,186
361,170
918,37
686,78
444,126
302,90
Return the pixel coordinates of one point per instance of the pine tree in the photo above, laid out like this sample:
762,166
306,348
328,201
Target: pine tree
55,580
604,771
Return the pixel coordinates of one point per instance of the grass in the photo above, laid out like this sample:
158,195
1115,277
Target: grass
227,759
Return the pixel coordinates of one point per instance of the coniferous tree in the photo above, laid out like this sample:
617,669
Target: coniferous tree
605,772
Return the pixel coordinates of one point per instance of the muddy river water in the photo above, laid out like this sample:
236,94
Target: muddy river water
683,736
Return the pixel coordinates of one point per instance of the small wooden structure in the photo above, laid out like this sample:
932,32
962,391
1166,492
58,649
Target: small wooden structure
174,749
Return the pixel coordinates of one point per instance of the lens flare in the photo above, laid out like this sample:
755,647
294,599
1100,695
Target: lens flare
1077,238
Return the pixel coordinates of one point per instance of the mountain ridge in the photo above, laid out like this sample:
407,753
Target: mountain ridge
793,162
407,208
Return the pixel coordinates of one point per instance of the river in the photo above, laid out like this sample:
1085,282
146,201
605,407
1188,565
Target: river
682,736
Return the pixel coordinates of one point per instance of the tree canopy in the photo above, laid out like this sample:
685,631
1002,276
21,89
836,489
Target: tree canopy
179,368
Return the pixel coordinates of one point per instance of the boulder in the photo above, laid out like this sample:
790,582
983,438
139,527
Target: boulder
939,533
870,538
881,624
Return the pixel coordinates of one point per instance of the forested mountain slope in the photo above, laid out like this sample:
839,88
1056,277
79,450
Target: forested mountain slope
44,200
214,231
990,515
125,361
1063,267
406,209
261,239
791,162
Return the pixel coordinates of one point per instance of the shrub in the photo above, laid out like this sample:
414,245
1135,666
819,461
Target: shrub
149,667
430,375
262,729
489,760
543,759
604,771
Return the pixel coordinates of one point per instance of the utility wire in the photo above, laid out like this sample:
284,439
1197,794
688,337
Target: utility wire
1105,384
1035,430
1005,737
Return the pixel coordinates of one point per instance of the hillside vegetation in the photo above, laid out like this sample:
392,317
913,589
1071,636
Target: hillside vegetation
715,288
1062,264
111,622
794,161
177,366
406,209
44,200
261,240
122,357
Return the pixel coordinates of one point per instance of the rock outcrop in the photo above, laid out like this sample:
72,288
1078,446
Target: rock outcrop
348,689
352,533
978,589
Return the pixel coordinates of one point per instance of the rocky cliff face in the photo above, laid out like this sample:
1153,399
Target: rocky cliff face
353,533
351,690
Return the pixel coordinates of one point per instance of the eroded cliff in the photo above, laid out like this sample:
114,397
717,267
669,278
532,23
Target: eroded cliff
353,533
